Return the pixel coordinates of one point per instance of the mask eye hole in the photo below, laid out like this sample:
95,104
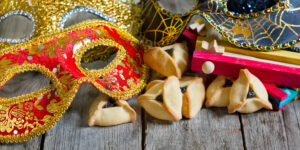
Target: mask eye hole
98,57
170,6
249,6
24,83
16,27
80,14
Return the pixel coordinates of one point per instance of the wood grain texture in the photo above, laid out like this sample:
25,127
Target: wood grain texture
34,144
24,83
211,129
16,27
291,119
72,131
264,130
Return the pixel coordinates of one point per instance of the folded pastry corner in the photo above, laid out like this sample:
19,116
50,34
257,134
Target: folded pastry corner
163,99
172,97
152,83
193,91
217,94
248,94
107,112
169,60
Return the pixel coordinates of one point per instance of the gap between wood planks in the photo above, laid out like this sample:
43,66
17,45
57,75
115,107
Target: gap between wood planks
42,141
144,127
242,131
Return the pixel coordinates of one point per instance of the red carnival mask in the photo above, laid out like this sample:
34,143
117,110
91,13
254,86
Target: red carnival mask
58,56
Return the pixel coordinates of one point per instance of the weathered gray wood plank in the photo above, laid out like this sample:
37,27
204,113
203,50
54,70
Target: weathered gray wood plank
211,129
33,144
291,118
264,130
24,83
73,133
16,27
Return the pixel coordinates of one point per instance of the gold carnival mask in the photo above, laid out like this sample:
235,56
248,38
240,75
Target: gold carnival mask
48,16
59,56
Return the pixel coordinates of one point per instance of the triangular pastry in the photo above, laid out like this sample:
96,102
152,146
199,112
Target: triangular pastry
193,90
163,99
169,60
248,94
217,94
107,112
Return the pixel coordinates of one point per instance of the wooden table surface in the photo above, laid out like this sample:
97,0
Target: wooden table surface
211,129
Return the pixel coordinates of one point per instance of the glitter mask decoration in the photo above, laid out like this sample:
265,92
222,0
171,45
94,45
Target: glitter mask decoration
49,16
161,27
256,24
58,57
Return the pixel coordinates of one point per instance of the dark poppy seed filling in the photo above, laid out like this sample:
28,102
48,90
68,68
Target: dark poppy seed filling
183,89
160,98
110,103
228,83
251,93
249,6
170,51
